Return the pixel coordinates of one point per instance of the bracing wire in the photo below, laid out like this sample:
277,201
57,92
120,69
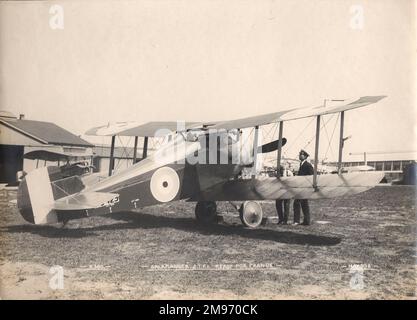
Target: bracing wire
64,191
125,153
246,140
330,140
288,148
321,127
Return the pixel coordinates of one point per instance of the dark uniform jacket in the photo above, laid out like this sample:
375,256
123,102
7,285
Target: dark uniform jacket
306,169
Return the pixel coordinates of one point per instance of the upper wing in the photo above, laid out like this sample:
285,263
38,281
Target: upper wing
298,113
149,129
54,155
135,129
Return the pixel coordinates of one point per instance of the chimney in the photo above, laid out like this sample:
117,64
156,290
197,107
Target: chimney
21,116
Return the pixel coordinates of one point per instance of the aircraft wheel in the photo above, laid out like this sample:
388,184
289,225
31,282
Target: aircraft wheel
206,212
251,214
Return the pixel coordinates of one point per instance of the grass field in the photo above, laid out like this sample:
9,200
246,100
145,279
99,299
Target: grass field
359,247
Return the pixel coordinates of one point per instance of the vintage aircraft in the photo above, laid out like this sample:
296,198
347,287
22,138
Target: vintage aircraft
73,163
174,171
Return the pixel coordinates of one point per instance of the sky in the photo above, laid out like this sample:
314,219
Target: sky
214,60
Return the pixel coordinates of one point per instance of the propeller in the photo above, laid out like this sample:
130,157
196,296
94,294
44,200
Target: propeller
271,146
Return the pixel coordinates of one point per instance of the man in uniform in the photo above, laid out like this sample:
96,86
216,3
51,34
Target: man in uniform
306,169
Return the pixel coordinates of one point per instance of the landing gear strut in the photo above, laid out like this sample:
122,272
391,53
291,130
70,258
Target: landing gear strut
251,214
206,212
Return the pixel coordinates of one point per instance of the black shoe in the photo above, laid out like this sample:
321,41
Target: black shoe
305,223
280,222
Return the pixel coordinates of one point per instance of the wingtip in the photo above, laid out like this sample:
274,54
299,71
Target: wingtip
370,99
92,131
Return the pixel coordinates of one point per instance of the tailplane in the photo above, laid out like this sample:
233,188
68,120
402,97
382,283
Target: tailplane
46,190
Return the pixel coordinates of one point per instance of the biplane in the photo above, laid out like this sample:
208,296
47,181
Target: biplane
69,163
175,172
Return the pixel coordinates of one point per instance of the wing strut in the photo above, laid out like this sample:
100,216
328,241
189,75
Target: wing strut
135,150
111,164
316,153
145,148
341,142
255,151
281,128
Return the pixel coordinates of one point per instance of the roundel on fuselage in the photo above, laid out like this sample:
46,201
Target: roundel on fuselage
165,184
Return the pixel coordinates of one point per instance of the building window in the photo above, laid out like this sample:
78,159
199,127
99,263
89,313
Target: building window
396,165
378,166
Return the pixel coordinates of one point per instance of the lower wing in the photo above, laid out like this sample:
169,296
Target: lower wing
298,187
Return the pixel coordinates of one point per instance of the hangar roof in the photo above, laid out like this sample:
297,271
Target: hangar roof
45,132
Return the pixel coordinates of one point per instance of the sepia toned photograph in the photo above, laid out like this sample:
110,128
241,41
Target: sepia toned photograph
208,150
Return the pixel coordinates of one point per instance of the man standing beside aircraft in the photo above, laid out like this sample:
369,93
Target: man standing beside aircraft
283,205
306,169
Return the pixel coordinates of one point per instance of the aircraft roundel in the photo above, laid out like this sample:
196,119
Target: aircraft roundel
165,184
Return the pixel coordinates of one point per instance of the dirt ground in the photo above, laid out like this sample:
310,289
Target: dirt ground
360,247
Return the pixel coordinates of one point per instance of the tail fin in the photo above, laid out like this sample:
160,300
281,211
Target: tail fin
35,197
39,190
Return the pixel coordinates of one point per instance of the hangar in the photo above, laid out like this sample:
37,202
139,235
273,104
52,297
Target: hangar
17,135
